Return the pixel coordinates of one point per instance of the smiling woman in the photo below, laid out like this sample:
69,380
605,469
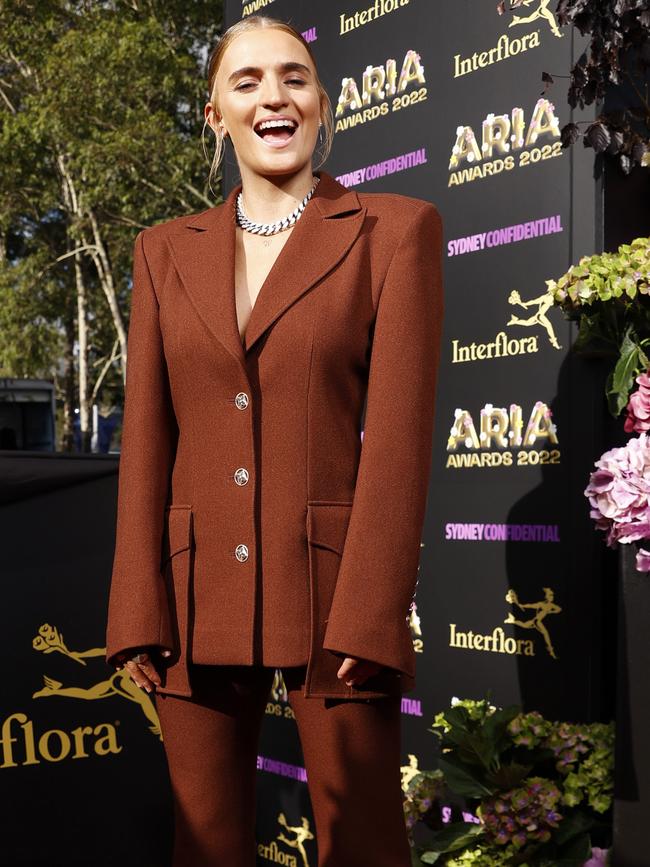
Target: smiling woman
254,531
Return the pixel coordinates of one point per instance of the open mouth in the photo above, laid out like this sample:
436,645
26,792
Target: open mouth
276,132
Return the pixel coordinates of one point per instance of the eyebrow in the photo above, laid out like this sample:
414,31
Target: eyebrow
291,65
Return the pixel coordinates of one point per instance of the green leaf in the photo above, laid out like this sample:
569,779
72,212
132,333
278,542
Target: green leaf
458,718
573,825
573,854
461,781
595,329
431,857
621,381
416,861
497,724
472,748
509,776
644,361
576,852
452,838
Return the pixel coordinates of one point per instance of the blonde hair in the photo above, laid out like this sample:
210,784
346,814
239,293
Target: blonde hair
255,22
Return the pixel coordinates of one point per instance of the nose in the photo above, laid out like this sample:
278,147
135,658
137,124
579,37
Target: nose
272,91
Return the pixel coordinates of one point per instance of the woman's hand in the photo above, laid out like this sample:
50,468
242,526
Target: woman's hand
141,668
357,670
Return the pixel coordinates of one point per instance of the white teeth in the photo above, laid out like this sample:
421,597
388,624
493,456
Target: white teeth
268,124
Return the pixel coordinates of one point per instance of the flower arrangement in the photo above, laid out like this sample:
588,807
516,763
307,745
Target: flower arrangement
540,791
608,294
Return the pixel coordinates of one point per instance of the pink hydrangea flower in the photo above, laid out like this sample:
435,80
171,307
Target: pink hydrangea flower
619,492
638,407
598,858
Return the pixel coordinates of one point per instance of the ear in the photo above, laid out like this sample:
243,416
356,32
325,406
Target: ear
213,120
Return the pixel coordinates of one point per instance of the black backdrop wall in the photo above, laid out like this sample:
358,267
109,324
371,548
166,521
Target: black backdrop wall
83,780
437,100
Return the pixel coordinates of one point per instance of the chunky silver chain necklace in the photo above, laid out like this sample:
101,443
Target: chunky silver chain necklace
279,225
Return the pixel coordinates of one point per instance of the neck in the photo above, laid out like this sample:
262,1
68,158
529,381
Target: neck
267,198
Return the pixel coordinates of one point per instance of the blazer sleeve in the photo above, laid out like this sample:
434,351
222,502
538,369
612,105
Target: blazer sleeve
378,570
138,611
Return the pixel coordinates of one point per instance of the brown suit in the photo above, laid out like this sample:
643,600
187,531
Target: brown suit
253,525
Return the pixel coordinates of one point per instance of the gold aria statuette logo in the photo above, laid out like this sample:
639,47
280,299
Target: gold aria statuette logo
279,687
302,833
409,771
413,620
50,640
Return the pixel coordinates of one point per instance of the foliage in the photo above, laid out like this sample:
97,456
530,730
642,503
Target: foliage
608,294
617,59
101,110
30,303
541,790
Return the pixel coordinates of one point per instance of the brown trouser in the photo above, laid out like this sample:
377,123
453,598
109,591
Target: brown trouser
351,750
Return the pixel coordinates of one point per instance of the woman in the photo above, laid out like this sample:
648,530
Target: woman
253,530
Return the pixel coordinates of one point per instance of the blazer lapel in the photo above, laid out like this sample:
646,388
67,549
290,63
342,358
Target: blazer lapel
205,260
204,256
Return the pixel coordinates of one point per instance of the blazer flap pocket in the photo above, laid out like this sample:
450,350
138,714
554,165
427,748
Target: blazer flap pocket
327,524
178,530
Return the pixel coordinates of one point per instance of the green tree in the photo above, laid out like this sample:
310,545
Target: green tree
101,109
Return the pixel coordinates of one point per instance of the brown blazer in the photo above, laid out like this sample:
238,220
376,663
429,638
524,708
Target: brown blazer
254,524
